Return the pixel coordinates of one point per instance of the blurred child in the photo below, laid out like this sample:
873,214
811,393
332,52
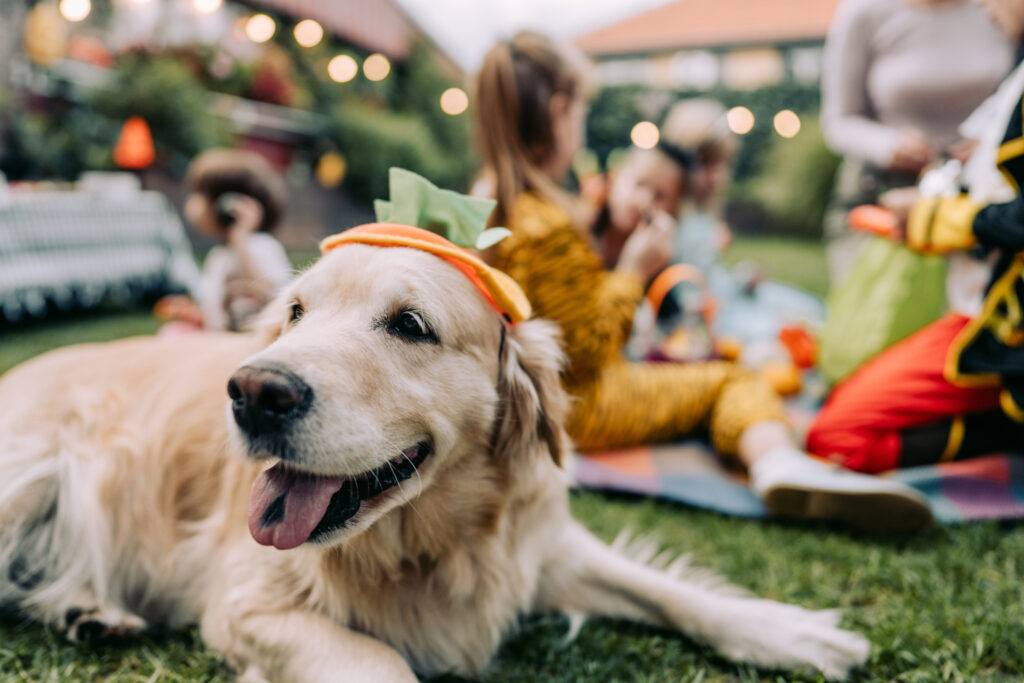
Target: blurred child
687,175
955,388
236,198
696,130
648,187
531,102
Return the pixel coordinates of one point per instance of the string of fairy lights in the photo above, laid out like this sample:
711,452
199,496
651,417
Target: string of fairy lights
645,134
307,33
343,68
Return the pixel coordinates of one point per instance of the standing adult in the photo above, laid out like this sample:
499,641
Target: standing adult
900,76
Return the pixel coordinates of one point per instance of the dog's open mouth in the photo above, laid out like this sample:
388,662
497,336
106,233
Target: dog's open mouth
289,507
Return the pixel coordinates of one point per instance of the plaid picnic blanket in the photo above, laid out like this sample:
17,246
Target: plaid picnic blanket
690,473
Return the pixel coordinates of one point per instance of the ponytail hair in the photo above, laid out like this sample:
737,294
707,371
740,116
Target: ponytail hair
514,130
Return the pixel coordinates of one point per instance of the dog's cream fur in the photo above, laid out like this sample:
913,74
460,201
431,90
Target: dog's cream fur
124,489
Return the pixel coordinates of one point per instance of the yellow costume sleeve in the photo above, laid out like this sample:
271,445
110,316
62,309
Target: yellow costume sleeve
939,225
567,283
620,404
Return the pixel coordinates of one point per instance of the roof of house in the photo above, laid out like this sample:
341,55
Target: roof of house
377,25
708,23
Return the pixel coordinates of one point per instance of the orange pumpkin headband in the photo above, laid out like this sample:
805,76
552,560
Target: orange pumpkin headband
497,288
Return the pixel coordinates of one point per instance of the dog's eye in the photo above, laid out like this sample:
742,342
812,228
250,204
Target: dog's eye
410,325
295,313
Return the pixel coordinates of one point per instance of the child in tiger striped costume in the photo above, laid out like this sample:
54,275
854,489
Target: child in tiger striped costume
530,109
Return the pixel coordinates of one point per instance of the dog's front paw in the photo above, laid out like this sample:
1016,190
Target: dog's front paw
100,623
776,635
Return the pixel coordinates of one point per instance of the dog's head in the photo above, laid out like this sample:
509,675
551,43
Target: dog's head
387,368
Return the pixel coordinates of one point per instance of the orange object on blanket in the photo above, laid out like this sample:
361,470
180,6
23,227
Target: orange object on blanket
875,220
668,279
802,347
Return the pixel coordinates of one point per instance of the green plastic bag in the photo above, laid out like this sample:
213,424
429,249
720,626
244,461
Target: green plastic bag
891,293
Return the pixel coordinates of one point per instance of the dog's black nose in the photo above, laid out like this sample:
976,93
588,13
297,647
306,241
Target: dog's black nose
266,399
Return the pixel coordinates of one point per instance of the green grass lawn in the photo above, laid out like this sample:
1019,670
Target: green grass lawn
946,606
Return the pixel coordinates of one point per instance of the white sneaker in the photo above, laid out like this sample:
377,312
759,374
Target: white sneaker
794,485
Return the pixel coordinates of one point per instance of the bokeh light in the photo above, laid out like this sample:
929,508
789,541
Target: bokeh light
645,135
260,28
207,6
454,101
740,120
376,67
342,68
308,33
331,169
75,10
787,123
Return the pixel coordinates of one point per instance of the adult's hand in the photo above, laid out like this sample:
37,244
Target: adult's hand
962,149
912,153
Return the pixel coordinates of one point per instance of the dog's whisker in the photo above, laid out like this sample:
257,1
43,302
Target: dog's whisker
412,503
416,471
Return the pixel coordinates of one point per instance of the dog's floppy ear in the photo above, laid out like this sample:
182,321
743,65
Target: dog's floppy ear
533,404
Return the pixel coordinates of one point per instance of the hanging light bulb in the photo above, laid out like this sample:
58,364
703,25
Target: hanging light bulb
260,28
787,123
645,135
376,67
75,10
308,33
342,68
206,6
740,120
454,101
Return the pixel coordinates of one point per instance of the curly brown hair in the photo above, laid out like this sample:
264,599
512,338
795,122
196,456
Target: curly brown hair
218,171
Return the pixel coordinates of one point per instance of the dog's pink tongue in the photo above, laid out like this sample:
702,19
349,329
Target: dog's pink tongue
305,498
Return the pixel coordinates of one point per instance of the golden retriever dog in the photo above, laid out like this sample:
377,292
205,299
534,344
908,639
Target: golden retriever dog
380,495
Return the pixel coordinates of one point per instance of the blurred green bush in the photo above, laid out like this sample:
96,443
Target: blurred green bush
375,139
71,135
374,125
401,124
170,98
794,182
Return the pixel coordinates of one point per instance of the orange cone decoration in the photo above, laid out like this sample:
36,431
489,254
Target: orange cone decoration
134,149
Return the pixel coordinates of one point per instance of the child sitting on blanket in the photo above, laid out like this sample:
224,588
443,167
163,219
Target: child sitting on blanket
530,111
700,300
954,389
236,198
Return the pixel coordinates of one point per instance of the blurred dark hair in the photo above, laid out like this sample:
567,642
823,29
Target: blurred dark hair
219,171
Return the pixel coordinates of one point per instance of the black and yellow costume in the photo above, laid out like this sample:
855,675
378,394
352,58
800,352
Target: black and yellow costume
990,350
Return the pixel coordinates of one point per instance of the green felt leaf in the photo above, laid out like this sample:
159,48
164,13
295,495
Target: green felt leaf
488,238
416,201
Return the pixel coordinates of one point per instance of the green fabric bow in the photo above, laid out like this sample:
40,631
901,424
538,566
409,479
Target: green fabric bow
457,217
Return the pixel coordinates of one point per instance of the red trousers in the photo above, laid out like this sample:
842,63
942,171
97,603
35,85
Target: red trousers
902,388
